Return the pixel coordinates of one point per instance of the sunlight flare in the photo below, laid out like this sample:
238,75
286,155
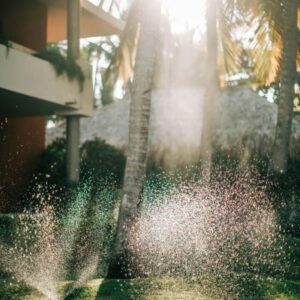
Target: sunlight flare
185,14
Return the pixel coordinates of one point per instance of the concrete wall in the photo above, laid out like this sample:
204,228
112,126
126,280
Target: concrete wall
21,139
30,87
24,22
48,94
244,120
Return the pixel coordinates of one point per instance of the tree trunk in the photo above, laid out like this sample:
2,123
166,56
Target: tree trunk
211,87
138,136
280,153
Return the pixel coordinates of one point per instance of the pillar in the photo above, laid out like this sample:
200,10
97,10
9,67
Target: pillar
73,153
73,122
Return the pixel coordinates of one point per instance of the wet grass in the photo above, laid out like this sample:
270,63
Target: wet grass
145,289
282,290
155,289
10,290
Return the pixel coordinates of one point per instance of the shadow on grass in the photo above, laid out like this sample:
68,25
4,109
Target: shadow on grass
80,293
288,289
245,288
123,289
181,288
186,289
169,288
13,291
240,287
112,290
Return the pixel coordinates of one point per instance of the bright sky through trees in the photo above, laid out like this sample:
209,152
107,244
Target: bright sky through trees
186,14
115,7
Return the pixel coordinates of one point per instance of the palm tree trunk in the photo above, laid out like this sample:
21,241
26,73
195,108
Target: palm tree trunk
280,153
138,135
211,88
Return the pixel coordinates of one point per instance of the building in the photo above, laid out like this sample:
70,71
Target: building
30,89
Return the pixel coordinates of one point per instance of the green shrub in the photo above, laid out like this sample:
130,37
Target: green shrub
53,162
99,161
102,161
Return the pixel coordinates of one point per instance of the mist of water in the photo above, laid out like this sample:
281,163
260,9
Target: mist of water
46,248
223,232
227,231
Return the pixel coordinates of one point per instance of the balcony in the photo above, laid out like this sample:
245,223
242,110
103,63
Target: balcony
29,86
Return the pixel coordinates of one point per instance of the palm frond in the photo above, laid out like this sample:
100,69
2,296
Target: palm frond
230,61
262,21
121,66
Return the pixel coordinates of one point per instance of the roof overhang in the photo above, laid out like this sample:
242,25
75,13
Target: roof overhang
94,21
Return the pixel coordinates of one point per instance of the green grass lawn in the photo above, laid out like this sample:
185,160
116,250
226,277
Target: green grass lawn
156,289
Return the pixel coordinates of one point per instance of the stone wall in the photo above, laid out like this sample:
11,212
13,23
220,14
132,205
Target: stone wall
242,119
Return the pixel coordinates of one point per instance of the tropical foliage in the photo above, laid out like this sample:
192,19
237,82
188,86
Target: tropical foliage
99,161
62,65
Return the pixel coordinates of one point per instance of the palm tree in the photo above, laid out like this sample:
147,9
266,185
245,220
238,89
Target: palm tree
223,57
149,12
275,53
280,153
211,87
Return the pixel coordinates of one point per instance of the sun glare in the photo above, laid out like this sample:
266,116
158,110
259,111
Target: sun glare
185,14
